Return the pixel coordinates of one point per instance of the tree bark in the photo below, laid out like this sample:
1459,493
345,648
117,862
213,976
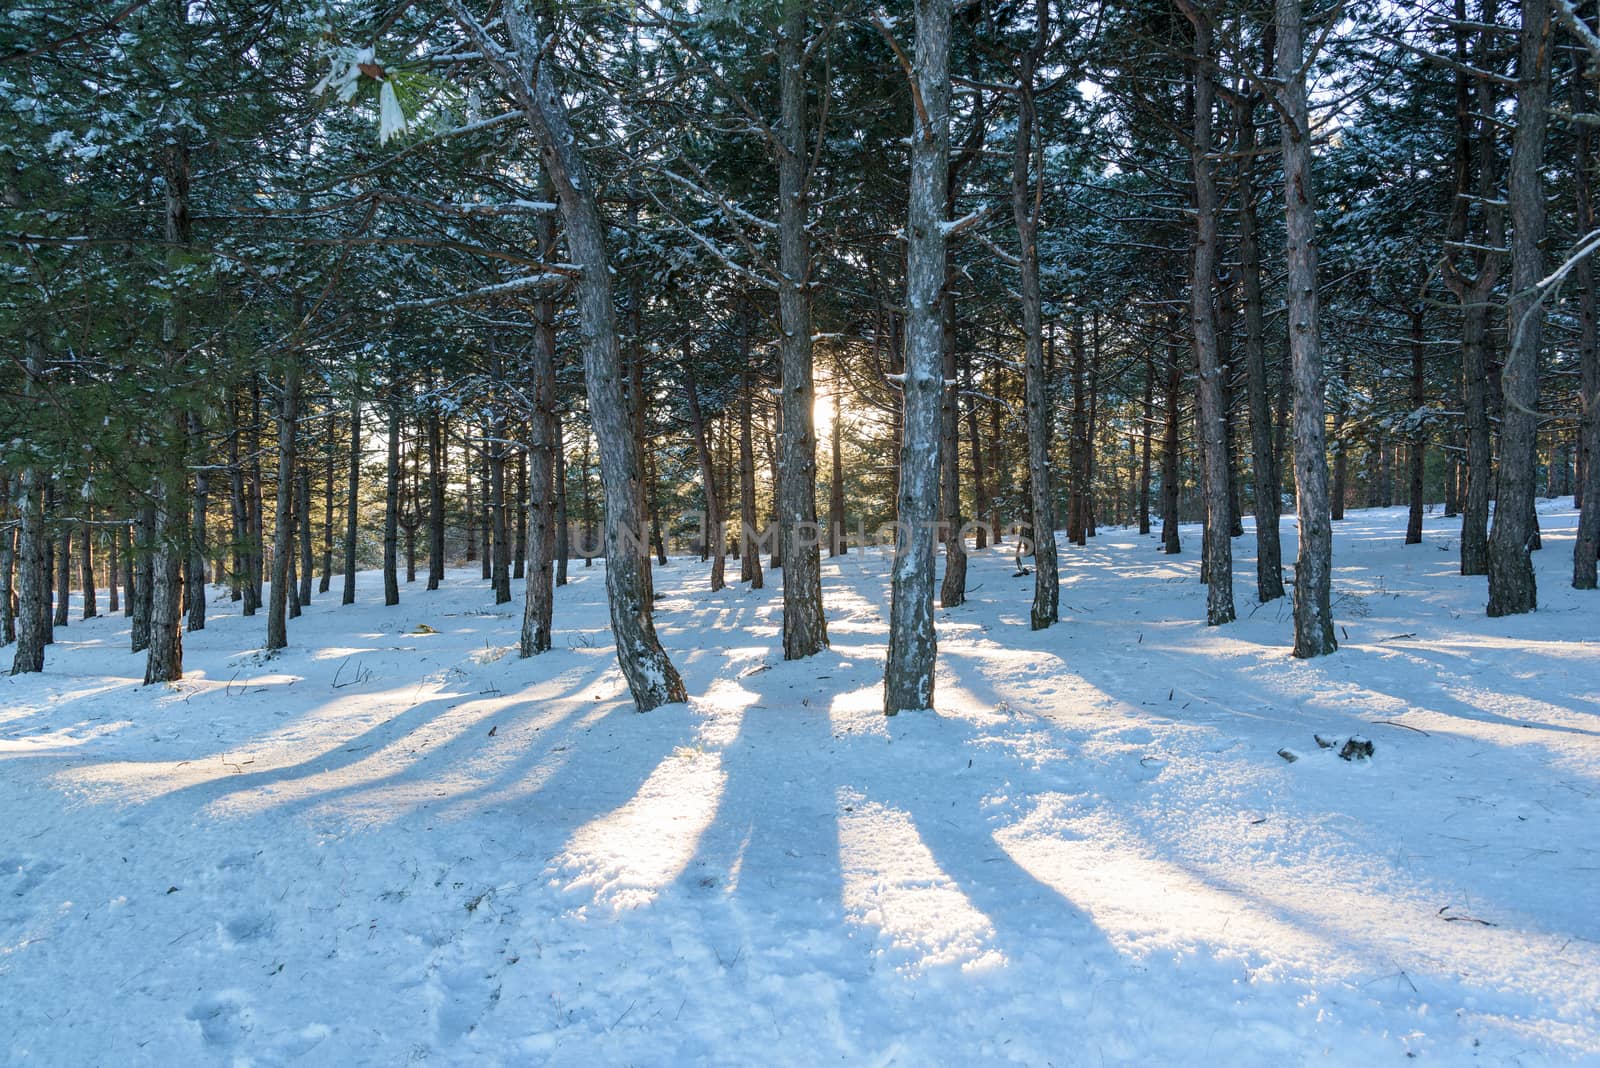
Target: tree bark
1045,609
436,478
1218,547
980,486
651,678
352,503
953,590
805,628
1313,617
909,675
1263,459
1512,589
31,609
391,497
1171,465
714,545
750,547
196,586
283,516
303,516
1417,459
559,447
63,565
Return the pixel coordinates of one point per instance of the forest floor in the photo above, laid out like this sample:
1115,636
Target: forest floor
398,842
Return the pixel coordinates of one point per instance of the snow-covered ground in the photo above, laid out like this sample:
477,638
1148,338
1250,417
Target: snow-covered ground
398,842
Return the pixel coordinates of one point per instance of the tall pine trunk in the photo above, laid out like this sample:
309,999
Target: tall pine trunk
1313,617
651,678
909,675
1037,402
805,628
283,518
750,545
352,501
714,542
1512,589
544,437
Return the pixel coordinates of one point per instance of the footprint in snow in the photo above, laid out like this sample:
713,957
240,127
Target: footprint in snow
223,1019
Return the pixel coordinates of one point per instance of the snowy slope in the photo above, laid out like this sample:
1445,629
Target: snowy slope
396,842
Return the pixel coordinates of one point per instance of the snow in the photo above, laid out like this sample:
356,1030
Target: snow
396,841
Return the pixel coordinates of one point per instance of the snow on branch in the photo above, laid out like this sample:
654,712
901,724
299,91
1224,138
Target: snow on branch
514,285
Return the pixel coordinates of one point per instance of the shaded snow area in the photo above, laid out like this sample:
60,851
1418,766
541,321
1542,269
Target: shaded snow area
397,842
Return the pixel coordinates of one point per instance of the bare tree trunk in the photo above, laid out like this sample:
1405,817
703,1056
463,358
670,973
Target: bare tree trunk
8,563
303,517
86,564
1587,491
805,628
1171,467
391,497
908,676
326,581
1313,617
283,520
1417,459
139,624
436,477
1263,459
352,503
559,447
750,548
1078,441
953,590
164,659
63,566
547,520
650,675
31,608
980,486
1218,547
1146,432
1512,589
196,586
1037,402
715,543
838,542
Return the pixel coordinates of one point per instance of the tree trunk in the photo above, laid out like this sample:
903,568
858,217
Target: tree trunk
538,602
1045,609
650,675
1263,459
750,547
436,478
980,486
714,542
8,563
303,515
838,541
352,502
1171,467
909,674
1078,441
32,618
196,586
113,569
1587,492
1512,589
1218,547
1146,432
283,516
805,628
1313,617
63,566
391,498
326,581
1416,460
86,565
559,447
953,590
